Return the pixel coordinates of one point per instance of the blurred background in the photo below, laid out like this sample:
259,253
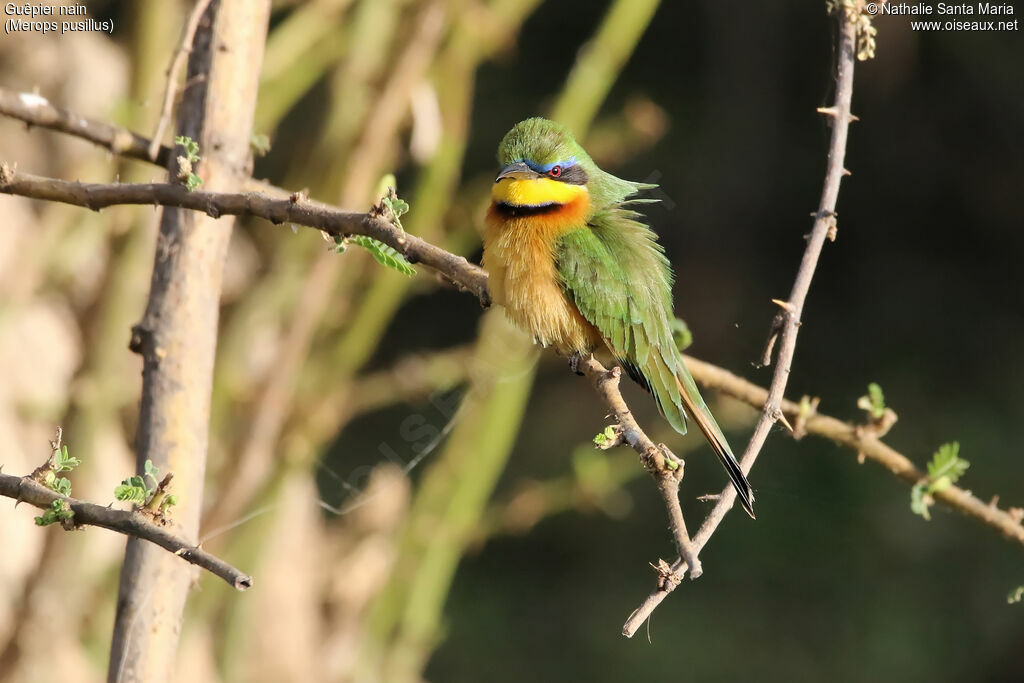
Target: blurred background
409,481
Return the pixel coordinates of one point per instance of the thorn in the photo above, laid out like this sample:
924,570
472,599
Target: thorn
846,171
784,305
785,422
853,117
828,111
709,497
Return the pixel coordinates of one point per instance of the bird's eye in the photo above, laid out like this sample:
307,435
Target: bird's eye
555,171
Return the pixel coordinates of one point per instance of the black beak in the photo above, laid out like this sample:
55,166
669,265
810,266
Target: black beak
518,170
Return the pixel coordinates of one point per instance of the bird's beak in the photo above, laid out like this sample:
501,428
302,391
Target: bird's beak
518,171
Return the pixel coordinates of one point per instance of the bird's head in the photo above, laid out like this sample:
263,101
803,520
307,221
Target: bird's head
543,165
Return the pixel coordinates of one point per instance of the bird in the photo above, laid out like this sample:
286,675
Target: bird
571,261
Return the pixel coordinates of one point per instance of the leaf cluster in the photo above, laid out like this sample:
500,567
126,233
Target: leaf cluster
945,468
187,163
140,489
874,402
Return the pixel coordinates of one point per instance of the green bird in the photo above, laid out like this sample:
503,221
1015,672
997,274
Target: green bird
574,267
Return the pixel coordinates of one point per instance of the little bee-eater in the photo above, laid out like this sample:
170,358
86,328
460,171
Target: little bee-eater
574,267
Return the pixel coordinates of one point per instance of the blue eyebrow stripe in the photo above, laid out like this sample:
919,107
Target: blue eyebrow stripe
571,161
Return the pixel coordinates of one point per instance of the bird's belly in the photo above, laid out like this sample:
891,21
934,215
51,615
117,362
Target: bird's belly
541,309
523,279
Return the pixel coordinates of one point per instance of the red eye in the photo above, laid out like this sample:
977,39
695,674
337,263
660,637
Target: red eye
555,171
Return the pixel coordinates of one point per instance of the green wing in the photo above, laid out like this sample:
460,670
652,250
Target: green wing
616,273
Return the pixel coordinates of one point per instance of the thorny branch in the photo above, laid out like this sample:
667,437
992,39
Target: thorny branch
789,325
296,209
663,465
128,522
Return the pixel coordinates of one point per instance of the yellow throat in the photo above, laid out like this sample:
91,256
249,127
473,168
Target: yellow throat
535,191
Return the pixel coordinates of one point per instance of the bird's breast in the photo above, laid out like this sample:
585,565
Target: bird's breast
520,245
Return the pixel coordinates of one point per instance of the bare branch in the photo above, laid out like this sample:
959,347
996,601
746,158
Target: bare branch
295,210
663,465
36,110
188,32
824,223
128,522
858,440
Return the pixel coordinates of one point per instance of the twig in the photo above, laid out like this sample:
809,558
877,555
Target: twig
824,222
36,110
188,33
664,467
858,440
296,210
127,522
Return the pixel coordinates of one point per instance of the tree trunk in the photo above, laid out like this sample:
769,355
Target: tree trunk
178,334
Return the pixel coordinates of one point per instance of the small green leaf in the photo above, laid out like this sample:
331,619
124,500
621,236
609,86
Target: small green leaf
130,493
397,205
169,500
191,147
1016,595
918,504
134,488
671,464
192,182
63,462
57,512
49,478
62,486
873,402
600,439
947,463
383,254
945,468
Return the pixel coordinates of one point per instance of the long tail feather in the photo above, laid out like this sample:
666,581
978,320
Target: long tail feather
677,397
693,403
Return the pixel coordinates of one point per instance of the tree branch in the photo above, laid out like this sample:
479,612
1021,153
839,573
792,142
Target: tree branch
295,210
128,522
859,440
663,465
36,110
787,327
188,32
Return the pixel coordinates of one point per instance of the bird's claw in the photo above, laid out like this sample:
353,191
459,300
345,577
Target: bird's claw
574,363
